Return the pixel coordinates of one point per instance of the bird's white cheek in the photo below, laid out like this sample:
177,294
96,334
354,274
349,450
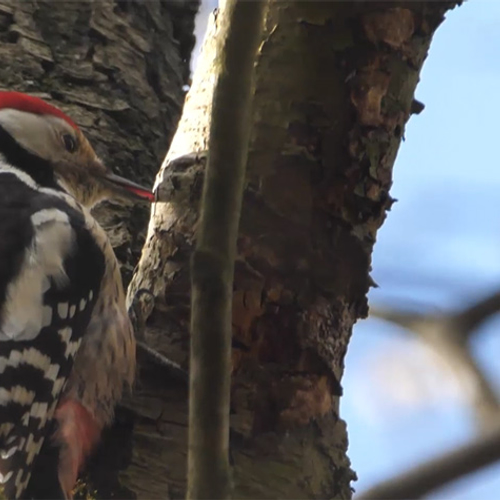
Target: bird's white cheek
35,133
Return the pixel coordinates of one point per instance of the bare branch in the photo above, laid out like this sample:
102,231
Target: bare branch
448,335
472,317
213,259
466,321
438,472
401,318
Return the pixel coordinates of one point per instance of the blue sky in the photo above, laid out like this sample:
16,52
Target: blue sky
447,177
438,250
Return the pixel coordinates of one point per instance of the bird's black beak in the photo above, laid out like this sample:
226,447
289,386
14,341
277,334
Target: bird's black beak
128,188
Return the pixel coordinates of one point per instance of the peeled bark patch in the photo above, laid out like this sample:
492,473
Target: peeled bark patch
394,27
371,86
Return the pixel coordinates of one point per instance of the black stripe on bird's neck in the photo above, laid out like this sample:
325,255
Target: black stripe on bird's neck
39,169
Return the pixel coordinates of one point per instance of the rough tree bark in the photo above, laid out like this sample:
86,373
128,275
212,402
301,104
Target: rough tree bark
118,68
335,86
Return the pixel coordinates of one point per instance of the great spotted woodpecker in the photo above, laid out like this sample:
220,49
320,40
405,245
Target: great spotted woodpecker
67,348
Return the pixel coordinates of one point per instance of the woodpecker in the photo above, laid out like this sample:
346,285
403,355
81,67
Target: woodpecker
67,349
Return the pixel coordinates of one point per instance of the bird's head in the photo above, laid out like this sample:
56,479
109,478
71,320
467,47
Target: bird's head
41,140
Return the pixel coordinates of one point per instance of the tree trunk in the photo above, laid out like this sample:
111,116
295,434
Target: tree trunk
335,86
118,68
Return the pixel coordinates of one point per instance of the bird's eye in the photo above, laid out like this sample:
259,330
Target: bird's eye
69,143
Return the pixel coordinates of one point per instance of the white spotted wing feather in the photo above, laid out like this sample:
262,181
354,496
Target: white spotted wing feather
44,312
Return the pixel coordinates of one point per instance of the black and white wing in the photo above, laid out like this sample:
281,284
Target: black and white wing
50,274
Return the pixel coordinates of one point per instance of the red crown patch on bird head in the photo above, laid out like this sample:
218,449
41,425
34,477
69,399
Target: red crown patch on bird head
31,104
78,163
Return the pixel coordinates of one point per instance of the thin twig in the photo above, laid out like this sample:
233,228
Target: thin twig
212,265
174,369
